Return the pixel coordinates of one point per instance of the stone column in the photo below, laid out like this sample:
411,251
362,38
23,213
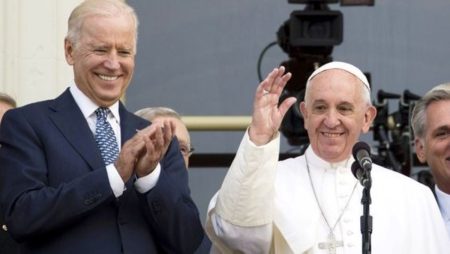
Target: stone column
32,63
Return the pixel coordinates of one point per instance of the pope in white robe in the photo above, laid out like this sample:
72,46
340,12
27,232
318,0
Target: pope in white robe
312,203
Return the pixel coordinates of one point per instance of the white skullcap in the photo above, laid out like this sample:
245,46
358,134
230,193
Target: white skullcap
342,66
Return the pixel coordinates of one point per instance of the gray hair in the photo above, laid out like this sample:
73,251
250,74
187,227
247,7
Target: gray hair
419,116
106,8
5,98
153,112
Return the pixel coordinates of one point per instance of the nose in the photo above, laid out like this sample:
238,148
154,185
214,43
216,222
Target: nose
331,119
112,61
448,141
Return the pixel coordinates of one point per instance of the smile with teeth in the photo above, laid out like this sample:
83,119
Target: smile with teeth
107,78
331,135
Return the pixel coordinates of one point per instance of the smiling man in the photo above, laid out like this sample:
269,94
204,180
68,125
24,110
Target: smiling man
312,203
431,124
81,174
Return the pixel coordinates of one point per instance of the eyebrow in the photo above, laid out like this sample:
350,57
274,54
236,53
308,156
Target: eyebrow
183,143
441,128
322,101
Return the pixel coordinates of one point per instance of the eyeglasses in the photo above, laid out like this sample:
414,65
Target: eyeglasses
186,150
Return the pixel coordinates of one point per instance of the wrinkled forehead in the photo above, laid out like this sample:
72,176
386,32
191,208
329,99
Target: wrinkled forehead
335,86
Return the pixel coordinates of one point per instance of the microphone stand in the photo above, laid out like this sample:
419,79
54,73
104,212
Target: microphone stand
366,218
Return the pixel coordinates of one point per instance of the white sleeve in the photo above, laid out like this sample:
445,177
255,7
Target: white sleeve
146,183
115,180
240,215
255,239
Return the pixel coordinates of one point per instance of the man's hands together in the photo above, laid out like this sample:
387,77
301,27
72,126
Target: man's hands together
142,153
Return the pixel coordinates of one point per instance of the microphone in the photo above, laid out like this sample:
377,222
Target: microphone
359,173
361,153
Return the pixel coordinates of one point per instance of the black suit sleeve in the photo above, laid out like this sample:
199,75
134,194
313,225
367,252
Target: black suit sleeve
171,211
44,185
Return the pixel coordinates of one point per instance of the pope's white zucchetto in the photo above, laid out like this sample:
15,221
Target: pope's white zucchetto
341,66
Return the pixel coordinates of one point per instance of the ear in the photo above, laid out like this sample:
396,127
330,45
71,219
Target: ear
420,149
68,51
369,116
304,112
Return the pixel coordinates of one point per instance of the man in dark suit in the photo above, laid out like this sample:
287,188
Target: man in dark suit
156,114
7,245
66,186
430,122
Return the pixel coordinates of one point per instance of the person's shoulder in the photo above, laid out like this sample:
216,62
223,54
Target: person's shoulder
390,177
31,109
291,166
291,161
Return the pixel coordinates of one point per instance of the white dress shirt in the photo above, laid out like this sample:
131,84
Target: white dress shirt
444,205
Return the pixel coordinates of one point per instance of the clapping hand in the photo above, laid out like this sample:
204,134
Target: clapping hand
157,140
142,153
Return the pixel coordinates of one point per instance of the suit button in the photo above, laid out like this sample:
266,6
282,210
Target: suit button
97,197
88,201
4,227
93,199
156,206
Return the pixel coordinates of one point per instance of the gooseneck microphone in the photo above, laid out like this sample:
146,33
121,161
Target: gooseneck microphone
361,153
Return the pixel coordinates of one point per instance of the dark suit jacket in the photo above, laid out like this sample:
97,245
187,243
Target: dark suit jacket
7,244
56,197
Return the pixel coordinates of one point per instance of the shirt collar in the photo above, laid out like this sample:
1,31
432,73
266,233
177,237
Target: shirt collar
444,202
316,161
88,107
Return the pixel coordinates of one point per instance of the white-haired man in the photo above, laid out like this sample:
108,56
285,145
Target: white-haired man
311,203
81,174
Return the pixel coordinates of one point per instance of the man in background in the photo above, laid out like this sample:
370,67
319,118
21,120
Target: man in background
6,103
7,244
157,114
431,125
80,173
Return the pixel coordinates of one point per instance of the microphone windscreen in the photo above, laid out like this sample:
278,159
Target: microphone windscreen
360,146
355,169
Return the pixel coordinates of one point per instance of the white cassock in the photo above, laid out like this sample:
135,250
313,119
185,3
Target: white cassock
266,206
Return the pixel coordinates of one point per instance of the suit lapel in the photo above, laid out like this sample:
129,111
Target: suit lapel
68,118
129,123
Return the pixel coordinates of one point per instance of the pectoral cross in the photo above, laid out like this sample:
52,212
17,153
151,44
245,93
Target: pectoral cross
331,244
